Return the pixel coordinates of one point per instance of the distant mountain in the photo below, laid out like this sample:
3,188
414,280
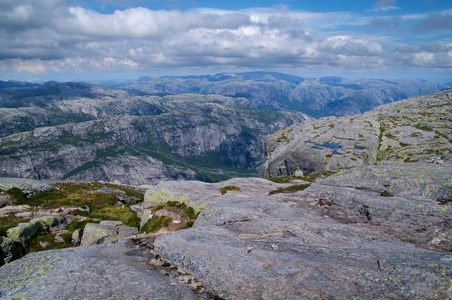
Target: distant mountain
13,83
81,131
208,127
269,90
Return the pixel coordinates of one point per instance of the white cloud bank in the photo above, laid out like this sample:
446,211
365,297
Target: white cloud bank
46,36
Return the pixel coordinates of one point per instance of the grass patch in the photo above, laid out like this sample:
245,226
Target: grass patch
101,205
17,194
227,188
282,138
8,222
289,189
423,127
50,238
325,202
156,223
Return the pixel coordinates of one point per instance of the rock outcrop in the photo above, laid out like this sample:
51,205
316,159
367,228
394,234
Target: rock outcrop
194,136
10,250
106,232
112,271
25,232
410,130
362,233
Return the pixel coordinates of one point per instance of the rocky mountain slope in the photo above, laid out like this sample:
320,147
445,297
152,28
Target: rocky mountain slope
379,226
86,132
417,129
362,233
325,96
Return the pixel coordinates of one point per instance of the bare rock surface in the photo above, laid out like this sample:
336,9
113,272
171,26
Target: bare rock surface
415,129
106,232
320,243
111,271
363,233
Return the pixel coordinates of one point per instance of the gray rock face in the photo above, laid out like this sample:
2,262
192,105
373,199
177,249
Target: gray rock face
287,246
113,271
192,136
410,130
10,250
342,237
106,232
25,232
268,90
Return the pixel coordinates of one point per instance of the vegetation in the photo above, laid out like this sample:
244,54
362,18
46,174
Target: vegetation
227,188
16,194
8,222
444,201
50,238
290,189
156,223
95,204
310,178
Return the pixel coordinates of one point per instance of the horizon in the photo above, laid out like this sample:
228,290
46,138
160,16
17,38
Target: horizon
102,40
102,81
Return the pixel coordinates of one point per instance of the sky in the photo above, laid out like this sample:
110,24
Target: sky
89,40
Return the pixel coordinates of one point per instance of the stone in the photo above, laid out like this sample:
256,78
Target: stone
301,249
25,232
13,209
10,250
59,239
45,245
298,173
108,271
77,237
108,232
146,216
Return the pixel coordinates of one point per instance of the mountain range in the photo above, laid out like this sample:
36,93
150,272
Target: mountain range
195,127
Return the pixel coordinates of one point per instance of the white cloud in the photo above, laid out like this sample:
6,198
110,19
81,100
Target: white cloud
77,39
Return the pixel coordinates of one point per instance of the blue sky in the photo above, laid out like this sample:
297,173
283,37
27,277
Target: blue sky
121,39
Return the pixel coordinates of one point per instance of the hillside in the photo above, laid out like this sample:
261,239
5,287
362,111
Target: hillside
417,129
326,96
86,132
371,221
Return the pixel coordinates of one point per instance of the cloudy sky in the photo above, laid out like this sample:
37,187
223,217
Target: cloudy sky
119,39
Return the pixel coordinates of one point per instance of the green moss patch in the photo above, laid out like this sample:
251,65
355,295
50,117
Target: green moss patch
8,222
50,238
156,223
290,189
227,188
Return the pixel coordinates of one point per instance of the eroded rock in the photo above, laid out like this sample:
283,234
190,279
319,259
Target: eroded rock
106,232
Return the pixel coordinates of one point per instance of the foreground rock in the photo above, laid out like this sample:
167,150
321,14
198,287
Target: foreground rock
113,271
10,250
106,232
25,232
287,246
363,233
411,130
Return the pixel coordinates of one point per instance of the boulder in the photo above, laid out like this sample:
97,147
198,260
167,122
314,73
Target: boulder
109,271
147,215
25,232
106,232
10,250
77,237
